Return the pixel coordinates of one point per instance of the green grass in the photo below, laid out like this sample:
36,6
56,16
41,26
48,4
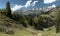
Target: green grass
17,33
51,32
57,34
24,32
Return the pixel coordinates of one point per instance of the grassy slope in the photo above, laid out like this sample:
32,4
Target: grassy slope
22,32
18,33
50,33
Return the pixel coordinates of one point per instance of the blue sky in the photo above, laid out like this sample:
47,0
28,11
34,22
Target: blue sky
18,4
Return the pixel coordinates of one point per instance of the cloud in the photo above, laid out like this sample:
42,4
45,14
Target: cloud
16,7
49,1
34,3
54,5
28,4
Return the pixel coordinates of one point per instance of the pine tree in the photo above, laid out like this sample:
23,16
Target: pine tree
8,9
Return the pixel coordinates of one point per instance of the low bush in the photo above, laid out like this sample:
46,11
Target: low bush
6,30
9,31
2,29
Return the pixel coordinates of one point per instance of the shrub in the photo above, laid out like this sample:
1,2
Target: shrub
6,30
9,31
2,29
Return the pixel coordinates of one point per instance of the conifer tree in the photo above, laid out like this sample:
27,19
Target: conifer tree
8,9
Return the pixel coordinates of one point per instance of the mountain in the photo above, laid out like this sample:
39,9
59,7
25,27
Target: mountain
34,11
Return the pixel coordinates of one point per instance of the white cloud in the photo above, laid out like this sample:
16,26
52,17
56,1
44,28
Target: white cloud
34,3
16,7
49,1
54,5
28,3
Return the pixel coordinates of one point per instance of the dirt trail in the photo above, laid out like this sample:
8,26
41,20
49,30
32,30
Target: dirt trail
34,32
39,34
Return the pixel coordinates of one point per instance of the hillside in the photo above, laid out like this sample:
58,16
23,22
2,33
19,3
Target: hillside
6,20
29,20
19,30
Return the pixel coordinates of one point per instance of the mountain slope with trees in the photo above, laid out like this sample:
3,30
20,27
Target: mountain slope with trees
9,20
